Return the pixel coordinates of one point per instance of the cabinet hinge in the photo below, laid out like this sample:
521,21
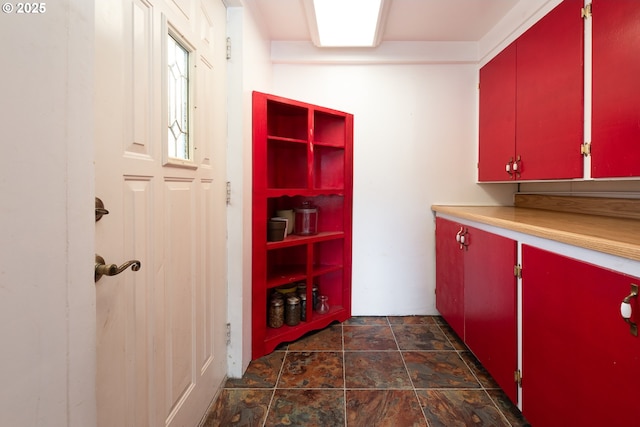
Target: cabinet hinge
585,149
228,47
517,377
586,11
228,193
228,333
517,271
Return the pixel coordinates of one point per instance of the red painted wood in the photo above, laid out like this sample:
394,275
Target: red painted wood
549,101
490,305
497,132
301,152
580,364
449,275
615,148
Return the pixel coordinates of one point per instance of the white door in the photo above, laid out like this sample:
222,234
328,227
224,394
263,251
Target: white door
161,335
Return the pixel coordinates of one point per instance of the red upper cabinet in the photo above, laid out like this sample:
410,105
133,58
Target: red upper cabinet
547,71
301,153
615,147
580,362
497,116
550,101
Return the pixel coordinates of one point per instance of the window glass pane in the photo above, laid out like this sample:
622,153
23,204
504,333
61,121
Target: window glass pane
178,96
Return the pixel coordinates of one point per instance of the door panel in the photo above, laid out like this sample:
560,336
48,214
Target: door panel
450,275
550,100
490,305
160,331
616,90
580,364
497,116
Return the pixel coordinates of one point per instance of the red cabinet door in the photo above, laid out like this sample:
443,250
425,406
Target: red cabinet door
615,147
497,131
449,275
490,305
549,101
580,364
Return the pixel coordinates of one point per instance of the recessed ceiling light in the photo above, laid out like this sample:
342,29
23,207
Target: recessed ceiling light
346,23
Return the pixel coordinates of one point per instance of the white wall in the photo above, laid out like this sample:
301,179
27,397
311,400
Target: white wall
414,145
47,295
249,68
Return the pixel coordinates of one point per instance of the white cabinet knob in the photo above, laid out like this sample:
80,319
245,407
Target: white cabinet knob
625,310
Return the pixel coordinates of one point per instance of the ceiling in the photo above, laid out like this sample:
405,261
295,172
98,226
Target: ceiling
408,20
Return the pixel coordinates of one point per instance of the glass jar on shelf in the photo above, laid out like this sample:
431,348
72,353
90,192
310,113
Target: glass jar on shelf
303,307
323,304
292,311
276,312
306,219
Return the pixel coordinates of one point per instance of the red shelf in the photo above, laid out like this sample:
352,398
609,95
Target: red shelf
285,275
303,192
301,153
283,139
294,240
274,337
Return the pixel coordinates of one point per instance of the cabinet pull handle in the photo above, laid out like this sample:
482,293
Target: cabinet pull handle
461,237
509,167
625,310
517,166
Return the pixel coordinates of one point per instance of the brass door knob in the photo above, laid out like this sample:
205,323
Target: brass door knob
100,210
102,269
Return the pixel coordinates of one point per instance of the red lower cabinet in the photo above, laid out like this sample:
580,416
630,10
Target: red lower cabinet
450,275
476,295
490,305
580,362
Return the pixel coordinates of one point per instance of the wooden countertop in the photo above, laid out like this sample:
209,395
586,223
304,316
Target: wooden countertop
611,235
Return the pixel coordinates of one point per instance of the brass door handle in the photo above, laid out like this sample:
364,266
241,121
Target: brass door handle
102,269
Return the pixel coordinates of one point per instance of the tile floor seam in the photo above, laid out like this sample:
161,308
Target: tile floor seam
482,387
413,386
275,388
344,377
504,417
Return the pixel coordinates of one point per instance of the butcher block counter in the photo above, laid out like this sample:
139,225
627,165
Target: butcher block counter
608,225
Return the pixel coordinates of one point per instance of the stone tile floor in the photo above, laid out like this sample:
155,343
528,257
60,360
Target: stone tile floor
368,371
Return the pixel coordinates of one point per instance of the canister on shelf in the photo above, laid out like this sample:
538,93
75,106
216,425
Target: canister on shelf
303,306
314,296
288,214
306,219
292,311
276,312
301,288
